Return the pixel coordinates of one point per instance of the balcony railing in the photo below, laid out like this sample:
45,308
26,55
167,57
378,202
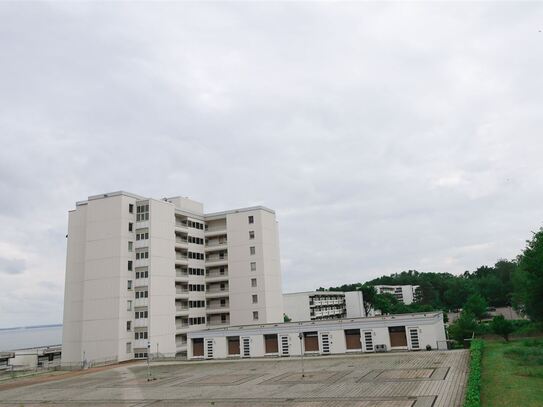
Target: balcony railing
216,228
215,243
211,259
218,323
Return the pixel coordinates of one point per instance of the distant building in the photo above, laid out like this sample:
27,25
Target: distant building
141,273
336,336
319,305
403,293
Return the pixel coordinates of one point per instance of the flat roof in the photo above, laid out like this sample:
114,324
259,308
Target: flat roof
248,209
317,293
304,326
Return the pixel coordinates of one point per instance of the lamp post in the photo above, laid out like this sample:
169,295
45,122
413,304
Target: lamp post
148,364
301,336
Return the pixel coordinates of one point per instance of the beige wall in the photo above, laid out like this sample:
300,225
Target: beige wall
267,273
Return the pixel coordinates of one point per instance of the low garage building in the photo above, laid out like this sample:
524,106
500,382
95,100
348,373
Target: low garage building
381,333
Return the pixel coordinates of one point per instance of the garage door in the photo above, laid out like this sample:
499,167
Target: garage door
397,335
270,342
233,345
198,347
311,341
352,338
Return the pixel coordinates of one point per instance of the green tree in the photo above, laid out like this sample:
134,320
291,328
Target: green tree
458,290
501,326
386,303
368,297
528,278
463,327
286,318
476,305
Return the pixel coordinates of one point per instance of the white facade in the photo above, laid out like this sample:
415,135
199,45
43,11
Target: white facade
144,272
403,293
318,305
383,333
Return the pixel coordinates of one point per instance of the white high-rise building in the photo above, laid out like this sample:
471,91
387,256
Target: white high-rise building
403,293
141,273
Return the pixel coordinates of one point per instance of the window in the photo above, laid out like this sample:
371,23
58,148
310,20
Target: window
255,299
141,314
142,294
252,250
255,315
129,305
223,286
129,265
223,318
128,325
142,213
130,246
221,271
251,219
131,208
253,282
223,302
141,335
130,226
253,266
129,285
128,347
251,234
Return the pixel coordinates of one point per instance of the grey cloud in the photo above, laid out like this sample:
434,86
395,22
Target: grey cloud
12,266
385,136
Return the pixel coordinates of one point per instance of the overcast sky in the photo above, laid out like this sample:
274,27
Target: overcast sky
387,137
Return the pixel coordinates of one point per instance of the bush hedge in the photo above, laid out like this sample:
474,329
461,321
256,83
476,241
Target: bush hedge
473,392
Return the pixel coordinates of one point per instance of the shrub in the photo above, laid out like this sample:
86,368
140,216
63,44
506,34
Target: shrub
473,392
501,326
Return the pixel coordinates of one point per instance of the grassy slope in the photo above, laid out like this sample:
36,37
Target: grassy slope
508,381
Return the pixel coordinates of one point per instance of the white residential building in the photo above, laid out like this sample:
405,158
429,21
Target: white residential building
141,273
318,305
403,293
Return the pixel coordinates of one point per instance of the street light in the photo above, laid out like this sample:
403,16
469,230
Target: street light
301,336
148,365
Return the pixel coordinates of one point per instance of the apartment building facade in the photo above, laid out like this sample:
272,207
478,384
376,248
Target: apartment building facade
403,293
142,273
319,305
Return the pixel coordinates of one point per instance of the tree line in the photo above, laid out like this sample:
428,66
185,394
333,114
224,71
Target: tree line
517,283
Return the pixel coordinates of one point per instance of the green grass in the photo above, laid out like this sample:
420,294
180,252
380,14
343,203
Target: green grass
512,373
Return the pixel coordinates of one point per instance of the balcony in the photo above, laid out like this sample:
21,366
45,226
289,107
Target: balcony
181,275
219,322
215,230
140,344
216,261
181,259
216,294
141,282
141,263
217,310
141,323
139,244
181,325
181,243
141,302
216,277
181,294
181,226
216,245
181,311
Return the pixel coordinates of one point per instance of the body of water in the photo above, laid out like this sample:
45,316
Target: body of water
30,337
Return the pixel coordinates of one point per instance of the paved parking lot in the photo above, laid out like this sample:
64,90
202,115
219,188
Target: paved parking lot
415,379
